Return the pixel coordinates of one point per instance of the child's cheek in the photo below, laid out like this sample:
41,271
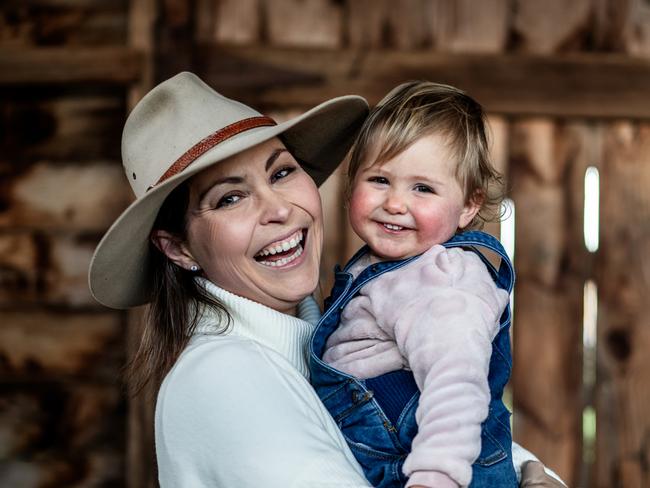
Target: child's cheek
358,206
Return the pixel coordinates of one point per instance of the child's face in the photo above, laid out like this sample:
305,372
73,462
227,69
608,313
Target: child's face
406,205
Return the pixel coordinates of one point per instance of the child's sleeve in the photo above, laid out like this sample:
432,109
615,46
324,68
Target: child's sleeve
444,313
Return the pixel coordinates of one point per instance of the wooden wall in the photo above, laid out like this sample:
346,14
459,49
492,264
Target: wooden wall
567,85
62,410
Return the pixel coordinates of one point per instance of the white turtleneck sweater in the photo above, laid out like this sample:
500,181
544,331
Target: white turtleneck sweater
237,410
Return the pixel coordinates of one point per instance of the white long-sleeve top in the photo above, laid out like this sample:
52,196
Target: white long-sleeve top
237,410
437,316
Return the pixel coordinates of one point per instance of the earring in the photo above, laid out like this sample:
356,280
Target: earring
194,268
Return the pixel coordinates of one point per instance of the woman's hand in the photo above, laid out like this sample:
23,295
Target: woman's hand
533,474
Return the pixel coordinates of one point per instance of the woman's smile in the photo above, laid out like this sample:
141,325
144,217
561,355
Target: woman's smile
283,253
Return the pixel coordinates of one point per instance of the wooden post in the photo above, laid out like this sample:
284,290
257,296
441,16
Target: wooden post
140,457
623,271
547,333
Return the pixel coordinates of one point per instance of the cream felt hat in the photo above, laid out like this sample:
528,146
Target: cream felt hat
181,127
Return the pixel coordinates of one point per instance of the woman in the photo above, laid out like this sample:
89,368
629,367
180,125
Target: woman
228,256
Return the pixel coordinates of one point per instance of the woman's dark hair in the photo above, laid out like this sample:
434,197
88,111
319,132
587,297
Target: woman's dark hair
176,305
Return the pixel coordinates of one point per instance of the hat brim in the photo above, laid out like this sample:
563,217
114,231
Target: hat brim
120,275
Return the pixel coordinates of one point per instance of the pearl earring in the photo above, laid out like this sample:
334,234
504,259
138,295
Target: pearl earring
194,268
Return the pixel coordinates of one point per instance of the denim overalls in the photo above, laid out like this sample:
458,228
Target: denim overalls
377,415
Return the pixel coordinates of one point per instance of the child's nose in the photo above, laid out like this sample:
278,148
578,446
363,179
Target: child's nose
395,204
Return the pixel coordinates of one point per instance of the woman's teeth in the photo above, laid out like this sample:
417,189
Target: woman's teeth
283,261
283,246
293,242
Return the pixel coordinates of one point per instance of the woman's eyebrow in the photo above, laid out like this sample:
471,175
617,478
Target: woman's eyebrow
233,180
274,155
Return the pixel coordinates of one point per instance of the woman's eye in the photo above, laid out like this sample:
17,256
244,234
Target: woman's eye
228,200
378,179
282,173
424,189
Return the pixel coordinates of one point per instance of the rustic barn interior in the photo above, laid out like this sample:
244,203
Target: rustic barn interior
567,87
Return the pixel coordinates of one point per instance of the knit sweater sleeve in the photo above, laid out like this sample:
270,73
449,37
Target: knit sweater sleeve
448,315
233,413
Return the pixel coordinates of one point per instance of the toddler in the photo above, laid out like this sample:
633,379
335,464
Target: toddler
412,353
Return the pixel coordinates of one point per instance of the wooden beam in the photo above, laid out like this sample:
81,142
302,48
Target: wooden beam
112,65
576,85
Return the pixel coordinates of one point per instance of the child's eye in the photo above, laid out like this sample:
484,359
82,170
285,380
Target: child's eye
423,189
282,173
378,179
228,200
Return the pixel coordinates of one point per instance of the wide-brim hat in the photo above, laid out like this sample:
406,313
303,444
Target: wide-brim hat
181,127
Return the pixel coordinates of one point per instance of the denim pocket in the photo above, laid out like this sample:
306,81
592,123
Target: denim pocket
364,450
492,451
382,469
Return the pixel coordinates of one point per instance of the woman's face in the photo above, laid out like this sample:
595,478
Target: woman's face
255,226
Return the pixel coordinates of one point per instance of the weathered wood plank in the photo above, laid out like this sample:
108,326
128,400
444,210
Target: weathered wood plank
335,224
62,22
573,85
235,21
548,296
140,460
61,433
73,126
303,22
544,27
635,27
142,16
35,200
93,348
140,456
114,65
623,271
401,24
469,26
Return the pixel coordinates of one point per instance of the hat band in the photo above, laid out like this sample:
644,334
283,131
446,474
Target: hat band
207,143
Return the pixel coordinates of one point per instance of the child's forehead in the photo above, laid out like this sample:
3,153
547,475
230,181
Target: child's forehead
431,152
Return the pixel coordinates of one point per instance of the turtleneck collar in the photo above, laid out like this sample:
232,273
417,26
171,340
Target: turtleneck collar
285,334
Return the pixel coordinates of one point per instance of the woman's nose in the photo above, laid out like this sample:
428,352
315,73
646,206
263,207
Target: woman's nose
394,203
276,209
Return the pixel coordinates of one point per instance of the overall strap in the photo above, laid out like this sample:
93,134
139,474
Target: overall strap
505,276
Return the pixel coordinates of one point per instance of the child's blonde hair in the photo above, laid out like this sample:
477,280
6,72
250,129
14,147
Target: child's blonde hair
420,108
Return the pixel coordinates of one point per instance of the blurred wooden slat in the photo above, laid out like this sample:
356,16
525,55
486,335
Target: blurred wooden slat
108,65
623,272
303,22
401,24
635,32
469,26
142,17
547,322
31,23
335,218
544,27
140,456
577,85
235,21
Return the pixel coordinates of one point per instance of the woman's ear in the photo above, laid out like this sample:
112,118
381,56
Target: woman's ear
471,208
174,248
